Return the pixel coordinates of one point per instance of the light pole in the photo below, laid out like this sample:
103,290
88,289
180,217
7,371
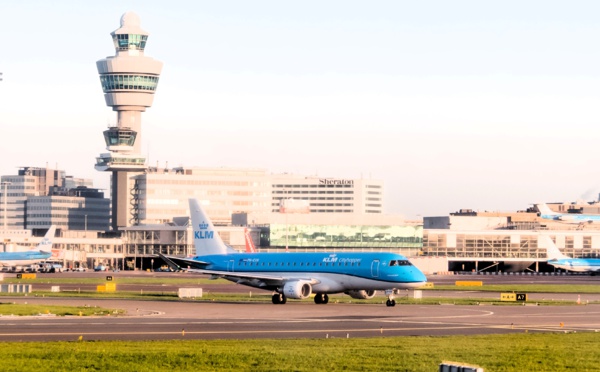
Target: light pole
5,184
285,207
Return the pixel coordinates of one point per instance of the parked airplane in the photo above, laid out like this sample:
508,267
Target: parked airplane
549,214
40,253
561,261
297,275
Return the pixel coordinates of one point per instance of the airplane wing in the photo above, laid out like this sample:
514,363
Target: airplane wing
256,279
178,263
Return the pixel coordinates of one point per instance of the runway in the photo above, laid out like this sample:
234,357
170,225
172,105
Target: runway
180,320
174,320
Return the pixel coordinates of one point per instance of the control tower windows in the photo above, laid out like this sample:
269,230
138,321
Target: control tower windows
130,41
128,82
119,137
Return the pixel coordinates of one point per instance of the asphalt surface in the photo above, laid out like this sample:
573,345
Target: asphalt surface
182,320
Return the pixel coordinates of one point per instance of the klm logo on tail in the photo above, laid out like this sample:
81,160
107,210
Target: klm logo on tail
203,234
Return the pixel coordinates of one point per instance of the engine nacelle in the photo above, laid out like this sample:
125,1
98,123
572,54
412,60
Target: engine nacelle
362,294
297,289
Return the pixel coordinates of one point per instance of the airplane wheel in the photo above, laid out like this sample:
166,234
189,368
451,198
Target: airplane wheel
276,299
283,299
321,298
390,303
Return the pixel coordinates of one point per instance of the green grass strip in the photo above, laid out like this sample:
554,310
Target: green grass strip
9,309
511,352
192,280
522,288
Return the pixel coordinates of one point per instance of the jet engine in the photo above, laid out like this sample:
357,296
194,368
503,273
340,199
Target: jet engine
297,289
362,294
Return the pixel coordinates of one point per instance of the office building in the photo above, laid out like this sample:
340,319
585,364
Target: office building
37,198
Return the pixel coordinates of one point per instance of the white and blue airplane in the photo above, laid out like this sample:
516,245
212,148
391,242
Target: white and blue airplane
40,253
557,259
297,275
549,214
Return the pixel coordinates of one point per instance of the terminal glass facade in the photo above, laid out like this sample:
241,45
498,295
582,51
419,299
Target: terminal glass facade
355,237
502,246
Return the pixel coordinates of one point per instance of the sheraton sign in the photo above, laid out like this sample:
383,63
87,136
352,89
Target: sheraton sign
325,181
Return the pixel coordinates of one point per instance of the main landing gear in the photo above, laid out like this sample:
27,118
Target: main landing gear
279,299
321,298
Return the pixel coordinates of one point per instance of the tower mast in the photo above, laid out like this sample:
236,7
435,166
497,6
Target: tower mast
129,80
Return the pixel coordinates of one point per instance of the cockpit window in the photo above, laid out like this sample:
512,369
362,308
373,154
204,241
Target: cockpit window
400,263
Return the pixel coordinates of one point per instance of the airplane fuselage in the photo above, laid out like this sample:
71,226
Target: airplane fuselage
334,272
573,218
577,264
22,258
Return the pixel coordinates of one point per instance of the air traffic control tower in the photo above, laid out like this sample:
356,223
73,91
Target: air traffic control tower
129,80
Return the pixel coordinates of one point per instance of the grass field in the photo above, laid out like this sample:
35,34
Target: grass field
9,309
191,280
523,288
514,352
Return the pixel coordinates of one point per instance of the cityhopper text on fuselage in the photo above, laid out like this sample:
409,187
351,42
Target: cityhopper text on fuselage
297,275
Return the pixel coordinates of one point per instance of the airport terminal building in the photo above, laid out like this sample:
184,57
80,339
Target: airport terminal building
492,241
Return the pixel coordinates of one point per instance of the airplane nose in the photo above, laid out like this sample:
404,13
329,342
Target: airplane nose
419,276
416,284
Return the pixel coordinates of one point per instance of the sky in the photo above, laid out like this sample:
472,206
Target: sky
490,106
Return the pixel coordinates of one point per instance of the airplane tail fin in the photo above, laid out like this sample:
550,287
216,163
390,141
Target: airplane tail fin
46,243
552,251
250,248
545,210
206,240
